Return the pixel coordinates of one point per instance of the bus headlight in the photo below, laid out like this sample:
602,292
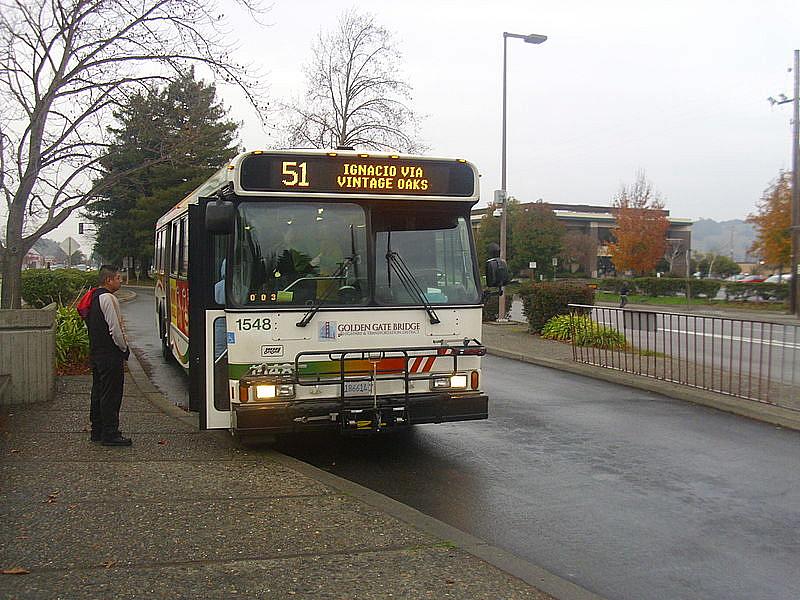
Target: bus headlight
264,389
450,382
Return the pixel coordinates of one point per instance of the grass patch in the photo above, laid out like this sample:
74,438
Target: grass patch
679,301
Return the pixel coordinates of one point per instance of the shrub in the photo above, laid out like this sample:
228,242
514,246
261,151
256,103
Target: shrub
765,291
558,328
659,286
542,301
586,331
705,287
610,284
40,287
72,338
492,306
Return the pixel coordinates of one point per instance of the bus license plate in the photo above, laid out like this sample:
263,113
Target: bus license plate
358,388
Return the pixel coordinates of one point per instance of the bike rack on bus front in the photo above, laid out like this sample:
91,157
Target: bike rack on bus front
399,364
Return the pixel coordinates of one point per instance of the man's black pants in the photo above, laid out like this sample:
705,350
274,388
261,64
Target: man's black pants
108,377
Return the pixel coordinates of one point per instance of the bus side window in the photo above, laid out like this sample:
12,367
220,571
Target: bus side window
175,244
184,270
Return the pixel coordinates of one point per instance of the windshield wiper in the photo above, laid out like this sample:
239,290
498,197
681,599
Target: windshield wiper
409,282
349,260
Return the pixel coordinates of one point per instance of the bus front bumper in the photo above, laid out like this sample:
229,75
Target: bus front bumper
358,413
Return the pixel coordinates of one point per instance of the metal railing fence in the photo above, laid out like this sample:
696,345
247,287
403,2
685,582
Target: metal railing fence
756,360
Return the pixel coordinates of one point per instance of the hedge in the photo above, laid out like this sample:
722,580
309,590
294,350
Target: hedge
40,287
662,286
766,291
542,301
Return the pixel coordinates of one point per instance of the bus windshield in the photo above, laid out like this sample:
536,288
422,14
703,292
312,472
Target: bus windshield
300,252
307,253
434,244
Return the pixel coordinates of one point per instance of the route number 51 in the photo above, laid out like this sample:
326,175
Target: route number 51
297,174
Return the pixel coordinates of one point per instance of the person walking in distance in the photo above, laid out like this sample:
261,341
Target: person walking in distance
623,294
108,351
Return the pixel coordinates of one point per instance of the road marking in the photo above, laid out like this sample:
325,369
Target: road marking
734,338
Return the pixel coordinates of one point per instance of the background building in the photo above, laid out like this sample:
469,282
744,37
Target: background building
598,222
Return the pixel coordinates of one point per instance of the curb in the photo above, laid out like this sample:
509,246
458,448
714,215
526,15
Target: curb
751,409
153,395
530,573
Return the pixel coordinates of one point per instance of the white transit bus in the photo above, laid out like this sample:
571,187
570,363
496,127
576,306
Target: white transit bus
311,289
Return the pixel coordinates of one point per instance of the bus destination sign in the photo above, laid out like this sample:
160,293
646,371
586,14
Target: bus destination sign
356,175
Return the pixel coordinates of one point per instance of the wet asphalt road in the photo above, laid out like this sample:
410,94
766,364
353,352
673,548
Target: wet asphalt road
628,494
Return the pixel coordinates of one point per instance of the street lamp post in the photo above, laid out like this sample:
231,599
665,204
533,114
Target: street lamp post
532,38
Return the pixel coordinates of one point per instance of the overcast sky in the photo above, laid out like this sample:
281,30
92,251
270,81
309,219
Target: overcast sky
678,89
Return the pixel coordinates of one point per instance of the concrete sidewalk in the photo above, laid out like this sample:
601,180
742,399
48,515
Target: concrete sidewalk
190,514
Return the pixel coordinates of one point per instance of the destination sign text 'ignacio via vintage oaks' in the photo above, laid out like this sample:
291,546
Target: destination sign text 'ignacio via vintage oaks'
360,174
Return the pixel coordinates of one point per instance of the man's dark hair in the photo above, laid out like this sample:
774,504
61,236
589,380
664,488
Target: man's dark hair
106,272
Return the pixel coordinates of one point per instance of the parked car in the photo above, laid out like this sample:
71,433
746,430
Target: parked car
754,279
778,278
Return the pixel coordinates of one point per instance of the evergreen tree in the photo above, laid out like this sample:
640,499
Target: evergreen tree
182,121
538,236
489,230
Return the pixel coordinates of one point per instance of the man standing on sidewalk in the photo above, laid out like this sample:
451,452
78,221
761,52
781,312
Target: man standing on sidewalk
108,351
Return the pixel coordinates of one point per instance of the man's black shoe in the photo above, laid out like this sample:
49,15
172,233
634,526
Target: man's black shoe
96,437
117,441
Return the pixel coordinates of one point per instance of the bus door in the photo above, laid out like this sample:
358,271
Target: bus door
209,392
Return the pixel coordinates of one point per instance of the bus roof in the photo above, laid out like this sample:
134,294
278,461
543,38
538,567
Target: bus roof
329,173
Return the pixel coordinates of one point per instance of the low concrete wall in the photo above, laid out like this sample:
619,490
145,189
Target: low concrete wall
28,355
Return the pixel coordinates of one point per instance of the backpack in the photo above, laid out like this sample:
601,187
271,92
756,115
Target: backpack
85,303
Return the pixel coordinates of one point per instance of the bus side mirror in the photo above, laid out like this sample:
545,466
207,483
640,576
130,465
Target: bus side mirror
220,216
496,273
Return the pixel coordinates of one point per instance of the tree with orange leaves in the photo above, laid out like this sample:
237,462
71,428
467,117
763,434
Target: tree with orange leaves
641,228
773,222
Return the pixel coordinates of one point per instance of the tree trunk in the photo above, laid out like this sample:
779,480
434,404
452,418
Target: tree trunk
12,278
15,251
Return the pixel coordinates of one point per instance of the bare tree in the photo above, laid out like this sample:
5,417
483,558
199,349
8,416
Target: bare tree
354,95
580,248
673,250
64,66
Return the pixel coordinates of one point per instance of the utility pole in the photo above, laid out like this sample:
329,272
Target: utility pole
794,283
795,291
